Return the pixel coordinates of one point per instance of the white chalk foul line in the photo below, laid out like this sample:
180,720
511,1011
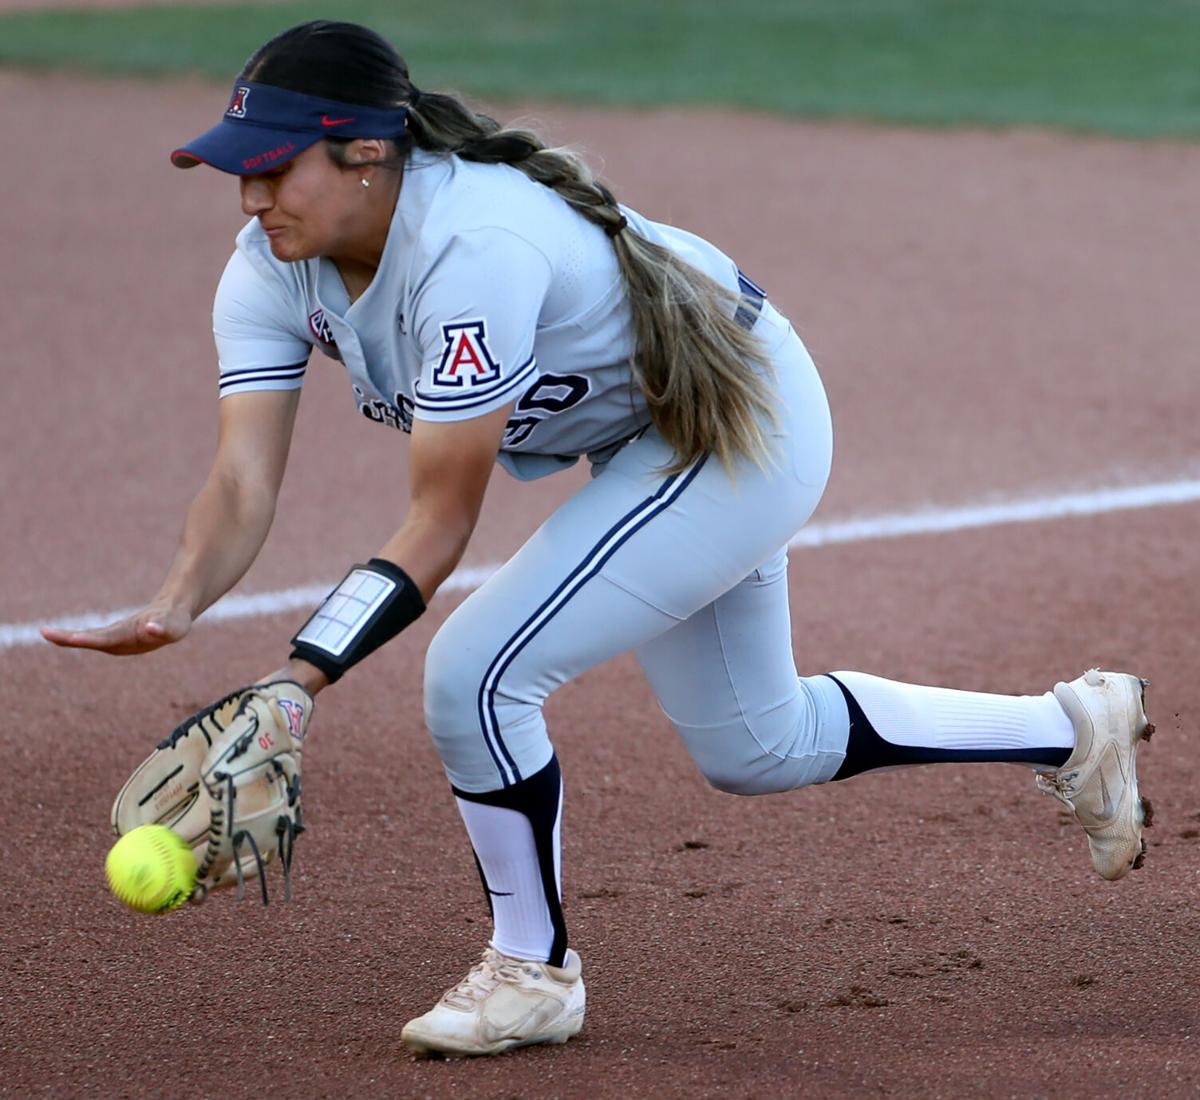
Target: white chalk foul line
1032,510
227,609
870,528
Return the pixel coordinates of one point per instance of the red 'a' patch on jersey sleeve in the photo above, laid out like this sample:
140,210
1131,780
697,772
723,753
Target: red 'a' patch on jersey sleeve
466,358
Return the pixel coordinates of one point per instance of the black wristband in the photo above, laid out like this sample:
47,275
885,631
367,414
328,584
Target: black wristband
373,603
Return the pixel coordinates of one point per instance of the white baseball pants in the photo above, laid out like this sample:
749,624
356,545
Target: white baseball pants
687,570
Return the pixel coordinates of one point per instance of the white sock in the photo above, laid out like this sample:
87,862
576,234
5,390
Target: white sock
504,845
943,718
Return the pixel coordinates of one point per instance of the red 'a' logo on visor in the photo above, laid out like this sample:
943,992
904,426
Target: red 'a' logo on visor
237,105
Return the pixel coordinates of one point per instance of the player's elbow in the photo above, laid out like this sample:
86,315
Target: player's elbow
450,522
250,500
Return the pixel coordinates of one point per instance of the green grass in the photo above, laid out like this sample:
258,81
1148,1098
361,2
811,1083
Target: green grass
1129,67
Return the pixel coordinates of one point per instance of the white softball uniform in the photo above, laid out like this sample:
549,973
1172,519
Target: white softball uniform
491,289
491,292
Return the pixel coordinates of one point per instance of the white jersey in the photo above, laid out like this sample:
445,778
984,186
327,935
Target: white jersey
490,289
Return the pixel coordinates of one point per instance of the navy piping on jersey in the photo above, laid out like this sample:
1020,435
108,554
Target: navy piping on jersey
262,374
476,397
751,303
303,364
746,283
608,544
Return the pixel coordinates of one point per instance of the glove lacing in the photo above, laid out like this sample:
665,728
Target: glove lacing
238,839
285,829
195,720
288,830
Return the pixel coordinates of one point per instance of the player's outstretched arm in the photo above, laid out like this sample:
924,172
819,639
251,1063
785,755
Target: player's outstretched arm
226,526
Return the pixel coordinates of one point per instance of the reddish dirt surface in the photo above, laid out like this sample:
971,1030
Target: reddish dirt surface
996,314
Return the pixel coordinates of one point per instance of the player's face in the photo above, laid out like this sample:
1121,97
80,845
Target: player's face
308,206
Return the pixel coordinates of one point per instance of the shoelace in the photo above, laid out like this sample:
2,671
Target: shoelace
483,979
1056,784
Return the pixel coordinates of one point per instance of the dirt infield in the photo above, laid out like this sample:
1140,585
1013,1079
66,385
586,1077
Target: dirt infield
996,315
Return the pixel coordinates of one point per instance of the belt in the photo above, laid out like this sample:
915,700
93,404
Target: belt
751,302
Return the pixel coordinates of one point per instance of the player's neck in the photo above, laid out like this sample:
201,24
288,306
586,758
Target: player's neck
358,257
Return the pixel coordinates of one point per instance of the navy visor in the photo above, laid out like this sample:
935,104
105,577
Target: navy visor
265,126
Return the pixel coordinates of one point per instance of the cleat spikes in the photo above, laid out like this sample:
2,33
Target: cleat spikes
1141,858
1147,814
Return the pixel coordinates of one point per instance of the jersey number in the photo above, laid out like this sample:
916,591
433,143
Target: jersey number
550,394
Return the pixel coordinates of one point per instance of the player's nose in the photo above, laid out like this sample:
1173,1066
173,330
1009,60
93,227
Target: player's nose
256,195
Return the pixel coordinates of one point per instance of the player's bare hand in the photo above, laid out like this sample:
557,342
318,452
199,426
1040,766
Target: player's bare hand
149,629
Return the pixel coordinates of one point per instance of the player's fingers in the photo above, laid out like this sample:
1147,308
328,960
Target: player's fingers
120,639
82,639
104,639
139,633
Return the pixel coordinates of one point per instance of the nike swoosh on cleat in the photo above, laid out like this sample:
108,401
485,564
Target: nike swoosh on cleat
327,121
532,1021
1106,797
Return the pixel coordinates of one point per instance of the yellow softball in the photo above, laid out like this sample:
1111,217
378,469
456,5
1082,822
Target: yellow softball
151,869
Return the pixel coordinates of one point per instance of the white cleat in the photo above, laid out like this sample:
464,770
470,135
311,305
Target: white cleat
1099,780
502,1003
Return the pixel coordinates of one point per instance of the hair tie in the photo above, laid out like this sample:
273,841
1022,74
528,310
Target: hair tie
414,96
616,227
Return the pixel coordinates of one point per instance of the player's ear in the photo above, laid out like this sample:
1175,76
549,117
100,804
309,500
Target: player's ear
366,151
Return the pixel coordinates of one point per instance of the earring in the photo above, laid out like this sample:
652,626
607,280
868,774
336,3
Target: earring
366,183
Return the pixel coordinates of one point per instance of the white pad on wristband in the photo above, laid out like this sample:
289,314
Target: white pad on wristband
346,611
372,604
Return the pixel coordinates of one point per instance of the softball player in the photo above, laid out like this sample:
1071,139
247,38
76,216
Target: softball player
486,295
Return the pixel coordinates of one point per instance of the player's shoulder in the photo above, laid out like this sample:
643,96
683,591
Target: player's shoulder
488,206
257,288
